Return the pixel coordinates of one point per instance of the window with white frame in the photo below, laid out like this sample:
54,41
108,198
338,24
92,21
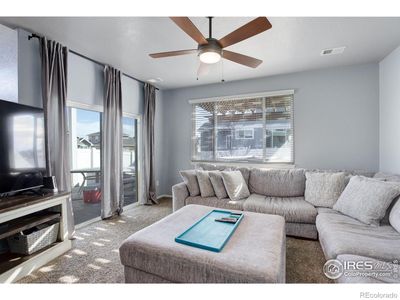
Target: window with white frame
249,128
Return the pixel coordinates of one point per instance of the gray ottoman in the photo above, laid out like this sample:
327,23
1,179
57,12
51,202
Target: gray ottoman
255,253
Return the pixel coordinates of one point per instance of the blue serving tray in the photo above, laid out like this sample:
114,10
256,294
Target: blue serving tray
209,234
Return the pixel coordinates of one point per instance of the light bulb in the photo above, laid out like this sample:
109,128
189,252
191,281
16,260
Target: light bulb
210,57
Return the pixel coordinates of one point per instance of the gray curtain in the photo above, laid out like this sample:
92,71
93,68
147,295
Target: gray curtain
149,180
54,60
111,158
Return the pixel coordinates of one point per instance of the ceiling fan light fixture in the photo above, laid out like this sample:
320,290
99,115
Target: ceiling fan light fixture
210,57
211,52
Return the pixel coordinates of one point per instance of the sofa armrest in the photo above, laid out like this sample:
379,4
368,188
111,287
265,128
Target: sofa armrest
179,195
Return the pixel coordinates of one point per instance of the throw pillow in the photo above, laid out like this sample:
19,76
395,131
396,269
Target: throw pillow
235,185
394,217
218,184
391,178
206,188
245,172
324,189
366,199
190,178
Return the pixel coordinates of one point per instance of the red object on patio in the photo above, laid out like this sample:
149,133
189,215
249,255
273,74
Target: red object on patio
92,196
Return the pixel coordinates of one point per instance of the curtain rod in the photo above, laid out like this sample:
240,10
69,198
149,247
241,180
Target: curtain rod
33,35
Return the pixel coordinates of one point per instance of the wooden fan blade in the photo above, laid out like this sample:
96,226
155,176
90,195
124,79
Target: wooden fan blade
173,53
241,59
203,69
248,30
187,26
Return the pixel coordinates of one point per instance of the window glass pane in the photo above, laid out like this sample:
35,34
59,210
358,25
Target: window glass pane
279,133
257,129
85,126
239,129
129,159
203,138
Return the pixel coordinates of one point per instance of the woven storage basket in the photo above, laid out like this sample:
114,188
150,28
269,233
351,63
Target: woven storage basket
32,242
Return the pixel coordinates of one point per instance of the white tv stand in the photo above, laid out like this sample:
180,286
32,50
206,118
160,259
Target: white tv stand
12,211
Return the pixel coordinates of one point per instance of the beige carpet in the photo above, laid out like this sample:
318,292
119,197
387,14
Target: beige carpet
94,257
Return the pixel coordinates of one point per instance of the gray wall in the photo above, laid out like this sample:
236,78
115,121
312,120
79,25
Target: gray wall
132,95
86,85
85,81
389,111
8,64
29,70
23,72
335,117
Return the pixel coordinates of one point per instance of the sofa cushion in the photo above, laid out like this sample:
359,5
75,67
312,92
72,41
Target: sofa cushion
387,176
394,217
324,189
245,172
348,173
218,184
293,209
190,178
340,234
235,185
206,188
277,183
322,210
366,199
215,202
392,178
302,230
385,219
381,272
211,167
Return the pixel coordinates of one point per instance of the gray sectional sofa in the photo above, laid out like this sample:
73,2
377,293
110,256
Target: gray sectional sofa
282,192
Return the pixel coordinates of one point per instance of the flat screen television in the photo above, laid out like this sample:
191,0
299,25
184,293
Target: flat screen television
22,148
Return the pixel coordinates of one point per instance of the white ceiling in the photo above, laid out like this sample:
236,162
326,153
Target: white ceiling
291,45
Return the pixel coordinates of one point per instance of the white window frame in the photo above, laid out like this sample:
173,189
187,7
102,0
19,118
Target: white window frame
266,94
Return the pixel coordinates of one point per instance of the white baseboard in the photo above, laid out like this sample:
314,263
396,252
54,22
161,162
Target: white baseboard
164,196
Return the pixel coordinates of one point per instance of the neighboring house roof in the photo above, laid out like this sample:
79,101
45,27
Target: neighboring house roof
94,133
128,141
125,136
84,142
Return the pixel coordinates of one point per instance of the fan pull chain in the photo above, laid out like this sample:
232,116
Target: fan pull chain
197,73
222,71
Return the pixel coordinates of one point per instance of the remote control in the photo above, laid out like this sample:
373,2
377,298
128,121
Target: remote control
227,220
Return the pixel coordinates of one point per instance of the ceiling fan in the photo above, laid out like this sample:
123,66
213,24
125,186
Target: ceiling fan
210,50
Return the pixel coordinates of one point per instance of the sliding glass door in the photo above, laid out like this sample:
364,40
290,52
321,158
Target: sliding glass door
85,132
129,142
